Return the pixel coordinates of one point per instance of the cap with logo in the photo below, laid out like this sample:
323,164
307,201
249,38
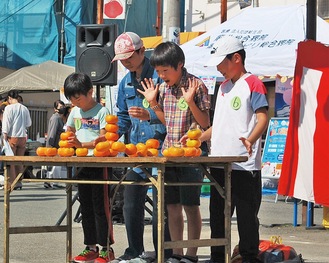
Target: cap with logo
222,47
125,45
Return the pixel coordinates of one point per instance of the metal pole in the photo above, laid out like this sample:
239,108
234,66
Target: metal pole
171,27
223,11
62,33
311,14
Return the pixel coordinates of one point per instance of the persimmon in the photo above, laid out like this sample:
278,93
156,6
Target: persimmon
189,151
65,144
112,153
100,153
152,152
166,152
65,152
41,151
103,146
118,146
110,118
193,143
194,133
141,146
198,152
111,136
152,143
66,135
111,127
60,152
131,149
81,152
176,151
51,151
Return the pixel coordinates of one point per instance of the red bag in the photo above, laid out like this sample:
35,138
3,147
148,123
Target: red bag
270,251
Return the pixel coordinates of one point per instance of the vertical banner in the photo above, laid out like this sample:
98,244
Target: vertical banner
306,154
273,151
283,93
114,9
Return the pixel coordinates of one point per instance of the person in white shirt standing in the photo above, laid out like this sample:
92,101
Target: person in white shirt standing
16,120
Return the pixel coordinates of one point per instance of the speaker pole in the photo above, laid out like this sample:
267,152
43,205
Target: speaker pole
98,93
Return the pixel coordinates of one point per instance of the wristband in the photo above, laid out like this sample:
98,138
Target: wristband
156,107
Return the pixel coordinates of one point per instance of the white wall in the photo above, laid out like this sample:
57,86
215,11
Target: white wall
202,15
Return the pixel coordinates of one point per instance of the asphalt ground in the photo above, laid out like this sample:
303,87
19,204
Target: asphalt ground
36,206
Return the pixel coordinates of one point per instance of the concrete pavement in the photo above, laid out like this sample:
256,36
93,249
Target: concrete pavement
36,206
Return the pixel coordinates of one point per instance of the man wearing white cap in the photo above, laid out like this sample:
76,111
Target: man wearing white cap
240,118
137,118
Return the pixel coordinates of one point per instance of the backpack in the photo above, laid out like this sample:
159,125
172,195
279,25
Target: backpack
272,251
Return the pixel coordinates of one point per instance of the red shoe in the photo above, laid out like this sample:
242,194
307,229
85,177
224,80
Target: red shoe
105,257
86,256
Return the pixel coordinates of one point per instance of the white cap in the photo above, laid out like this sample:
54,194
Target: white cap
125,45
222,47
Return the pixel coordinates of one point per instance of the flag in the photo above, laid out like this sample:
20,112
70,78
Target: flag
304,172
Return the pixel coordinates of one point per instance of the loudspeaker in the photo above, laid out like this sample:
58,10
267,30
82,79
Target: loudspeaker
95,51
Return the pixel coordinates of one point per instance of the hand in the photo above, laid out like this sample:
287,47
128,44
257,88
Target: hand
100,138
193,85
246,144
183,140
150,91
139,113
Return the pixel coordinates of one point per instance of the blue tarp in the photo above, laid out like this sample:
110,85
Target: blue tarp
30,30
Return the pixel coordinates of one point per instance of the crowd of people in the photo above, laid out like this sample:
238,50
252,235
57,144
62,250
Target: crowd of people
158,98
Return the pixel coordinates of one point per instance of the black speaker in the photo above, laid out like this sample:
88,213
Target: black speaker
95,51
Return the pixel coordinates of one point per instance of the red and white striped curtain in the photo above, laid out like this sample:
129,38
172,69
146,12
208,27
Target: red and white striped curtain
305,173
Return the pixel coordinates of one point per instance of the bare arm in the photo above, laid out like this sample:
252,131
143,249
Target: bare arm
262,121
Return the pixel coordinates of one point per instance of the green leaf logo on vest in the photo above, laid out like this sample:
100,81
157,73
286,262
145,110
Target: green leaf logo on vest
182,104
146,104
236,103
77,124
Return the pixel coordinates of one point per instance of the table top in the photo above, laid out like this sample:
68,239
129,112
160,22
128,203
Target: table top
120,161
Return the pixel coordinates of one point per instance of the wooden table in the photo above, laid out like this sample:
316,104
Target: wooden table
123,162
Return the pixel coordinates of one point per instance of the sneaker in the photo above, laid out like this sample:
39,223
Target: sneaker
47,185
189,259
174,259
86,256
122,258
146,257
105,257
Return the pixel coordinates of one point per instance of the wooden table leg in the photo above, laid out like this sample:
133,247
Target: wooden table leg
160,207
6,214
69,218
227,211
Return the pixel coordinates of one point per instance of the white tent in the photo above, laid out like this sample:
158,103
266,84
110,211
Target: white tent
46,76
270,36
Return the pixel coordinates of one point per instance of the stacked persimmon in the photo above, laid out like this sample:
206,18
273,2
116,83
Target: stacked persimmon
111,147
65,148
192,148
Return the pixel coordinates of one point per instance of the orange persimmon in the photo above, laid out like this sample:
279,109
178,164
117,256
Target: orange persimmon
111,136
103,146
131,149
118,146
193,143
81,152
51,151
111,127
152,143
110,118
66,135
41,151
194,133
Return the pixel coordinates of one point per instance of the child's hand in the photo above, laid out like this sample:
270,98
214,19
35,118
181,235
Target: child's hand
246,144
100,138
183,140
193,85
150,91
139,113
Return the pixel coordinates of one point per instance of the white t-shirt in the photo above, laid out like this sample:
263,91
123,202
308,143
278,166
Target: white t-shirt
16,120
235,117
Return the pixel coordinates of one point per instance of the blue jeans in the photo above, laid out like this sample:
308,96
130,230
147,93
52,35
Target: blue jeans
134,213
